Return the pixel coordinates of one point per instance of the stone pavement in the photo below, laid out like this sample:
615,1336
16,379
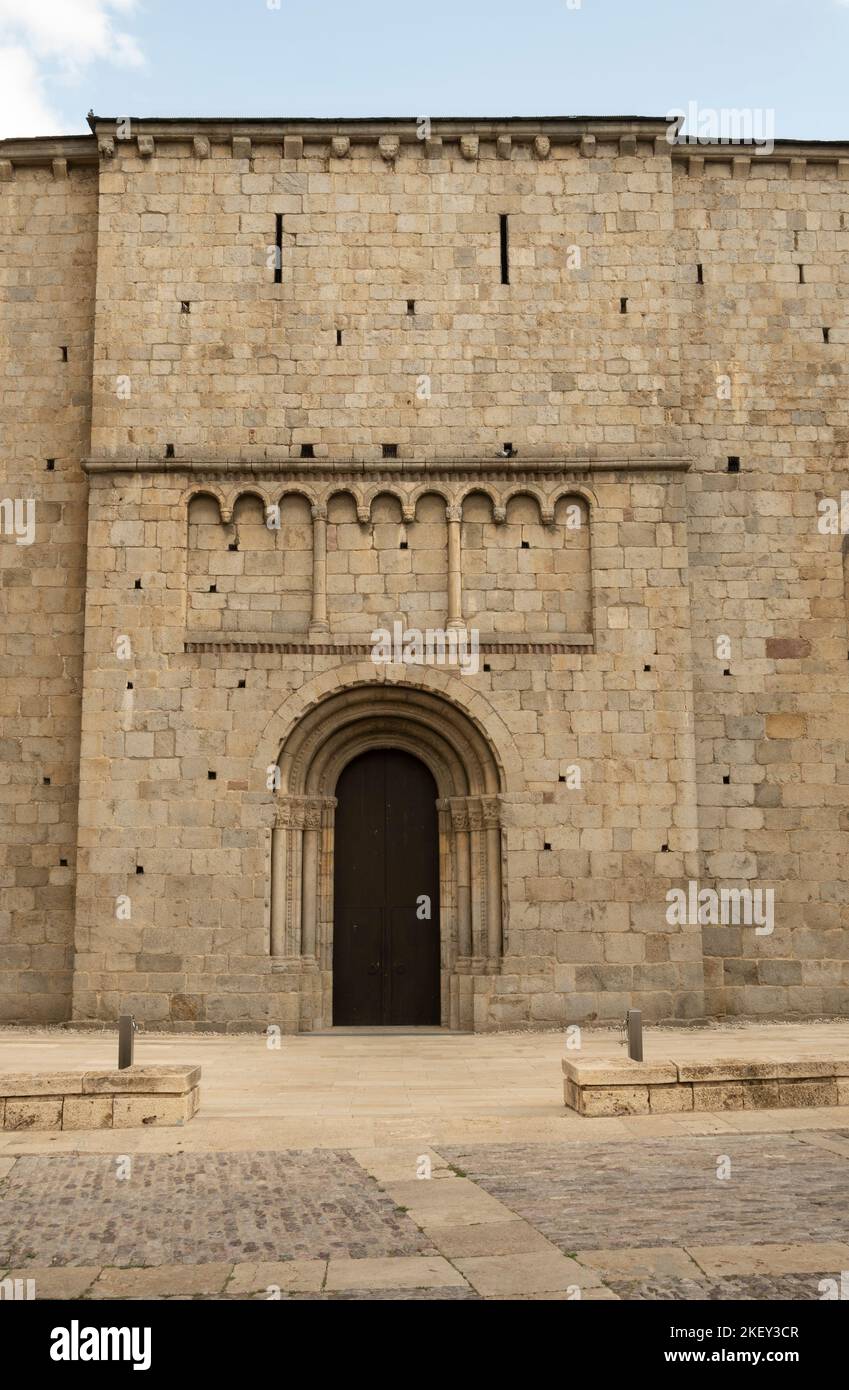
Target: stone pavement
365,1090
653,1220
302,1179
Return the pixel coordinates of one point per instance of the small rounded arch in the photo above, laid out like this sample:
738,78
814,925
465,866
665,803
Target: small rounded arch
244,494
205,492
343,490
535,495
580,491
377,493
475,494
293,490
429,490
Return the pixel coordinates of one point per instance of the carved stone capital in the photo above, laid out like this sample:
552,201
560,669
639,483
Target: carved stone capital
318,511
453,513
303,812
499,515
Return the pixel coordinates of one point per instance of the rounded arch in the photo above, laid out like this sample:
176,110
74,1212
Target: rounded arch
252,490
579,490
428,489
333,730
383,490
527,490
208,490
293,490
477,490
342,490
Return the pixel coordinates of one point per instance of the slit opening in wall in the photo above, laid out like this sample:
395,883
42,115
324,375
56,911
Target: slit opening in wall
733,464
339,337
623,305
504,235
801,275
411,306
307,451
278,248
700,274
185,306
50,465
390,451
243,685
826,335
137,584
169,451
64,353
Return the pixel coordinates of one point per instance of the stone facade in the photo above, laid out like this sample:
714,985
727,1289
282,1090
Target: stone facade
559,383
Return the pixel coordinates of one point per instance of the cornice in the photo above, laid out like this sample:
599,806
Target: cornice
305,469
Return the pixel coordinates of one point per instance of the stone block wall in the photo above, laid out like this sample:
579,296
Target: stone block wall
662,687
48,226
772,710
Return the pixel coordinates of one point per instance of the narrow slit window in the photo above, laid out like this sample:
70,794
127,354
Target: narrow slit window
826,335
505,249
278,248
700,274
623,305
801,275
339,337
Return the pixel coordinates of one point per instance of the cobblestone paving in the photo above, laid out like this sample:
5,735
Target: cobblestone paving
198,1209
753,1288
665,1192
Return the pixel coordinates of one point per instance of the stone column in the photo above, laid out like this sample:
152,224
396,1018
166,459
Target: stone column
492,827
309,907
455,577
278,889
460,824
318,622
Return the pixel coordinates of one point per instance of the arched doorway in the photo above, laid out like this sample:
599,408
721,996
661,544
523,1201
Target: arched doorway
469,910
386,892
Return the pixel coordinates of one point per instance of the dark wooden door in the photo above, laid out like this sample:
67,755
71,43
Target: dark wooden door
385,945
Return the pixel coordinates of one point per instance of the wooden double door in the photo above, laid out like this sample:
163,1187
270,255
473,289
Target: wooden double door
386,893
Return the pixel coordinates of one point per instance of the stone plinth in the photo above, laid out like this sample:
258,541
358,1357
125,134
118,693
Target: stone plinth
624,1087
125,1099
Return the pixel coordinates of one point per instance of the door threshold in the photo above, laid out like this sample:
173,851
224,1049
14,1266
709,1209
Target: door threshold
383,1031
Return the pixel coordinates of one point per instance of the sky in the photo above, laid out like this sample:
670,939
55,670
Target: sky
60,58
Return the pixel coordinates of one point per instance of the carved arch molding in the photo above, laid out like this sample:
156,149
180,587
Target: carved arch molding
469,782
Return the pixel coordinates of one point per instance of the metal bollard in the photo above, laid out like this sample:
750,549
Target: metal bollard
634,1024
126,1040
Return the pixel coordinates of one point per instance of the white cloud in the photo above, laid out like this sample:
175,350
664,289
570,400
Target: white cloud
24,108
43,39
